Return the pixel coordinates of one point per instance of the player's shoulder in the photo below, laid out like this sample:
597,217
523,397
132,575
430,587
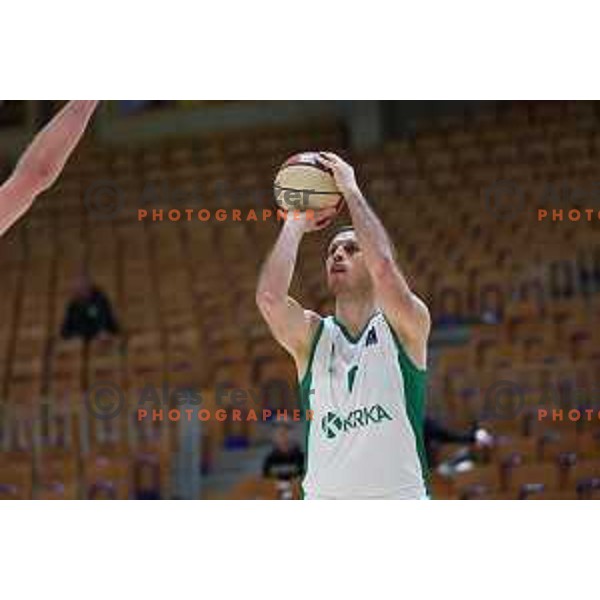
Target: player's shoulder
420,315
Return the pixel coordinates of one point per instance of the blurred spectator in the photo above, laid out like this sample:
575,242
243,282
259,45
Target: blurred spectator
436,434
286,460
89,313
147,479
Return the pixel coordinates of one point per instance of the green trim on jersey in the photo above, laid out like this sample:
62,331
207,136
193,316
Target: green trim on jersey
351,338
305,385
415,384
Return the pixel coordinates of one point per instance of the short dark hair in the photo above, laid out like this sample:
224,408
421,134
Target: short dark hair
345,228
337,232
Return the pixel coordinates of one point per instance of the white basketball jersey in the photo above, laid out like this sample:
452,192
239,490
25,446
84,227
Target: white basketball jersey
367,398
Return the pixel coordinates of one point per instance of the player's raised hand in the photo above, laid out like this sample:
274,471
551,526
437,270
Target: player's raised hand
312,220
343,173
319,219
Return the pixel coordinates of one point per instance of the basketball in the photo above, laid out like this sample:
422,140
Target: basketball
304,183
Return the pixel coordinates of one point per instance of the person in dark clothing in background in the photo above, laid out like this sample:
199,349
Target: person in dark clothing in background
147,478
436,434
89,313
286,459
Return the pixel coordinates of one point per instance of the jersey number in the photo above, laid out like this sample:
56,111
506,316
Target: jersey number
352,377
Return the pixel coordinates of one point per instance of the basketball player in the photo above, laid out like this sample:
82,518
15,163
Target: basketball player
42,162
362,370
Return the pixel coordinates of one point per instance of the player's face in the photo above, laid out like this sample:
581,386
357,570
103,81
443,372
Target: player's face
81,285
345,264
282,438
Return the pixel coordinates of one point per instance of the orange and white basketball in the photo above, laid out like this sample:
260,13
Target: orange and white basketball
304,183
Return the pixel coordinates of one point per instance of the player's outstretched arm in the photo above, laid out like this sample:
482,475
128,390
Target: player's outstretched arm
407,313
43,161
291,325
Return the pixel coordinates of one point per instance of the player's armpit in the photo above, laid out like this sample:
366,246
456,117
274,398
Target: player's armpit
291,325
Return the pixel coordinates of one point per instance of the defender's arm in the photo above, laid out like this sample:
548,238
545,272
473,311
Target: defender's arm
43,161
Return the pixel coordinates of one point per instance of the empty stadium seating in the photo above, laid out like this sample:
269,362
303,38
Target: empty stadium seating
184,292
